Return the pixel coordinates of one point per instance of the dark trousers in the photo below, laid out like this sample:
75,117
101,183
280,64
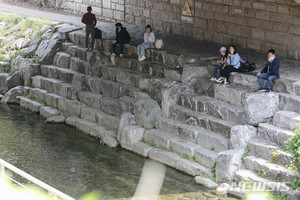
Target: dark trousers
89,30
227,70
121,43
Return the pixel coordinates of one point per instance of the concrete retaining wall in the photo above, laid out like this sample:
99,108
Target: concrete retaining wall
255,24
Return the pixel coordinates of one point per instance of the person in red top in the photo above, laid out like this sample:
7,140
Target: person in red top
89,19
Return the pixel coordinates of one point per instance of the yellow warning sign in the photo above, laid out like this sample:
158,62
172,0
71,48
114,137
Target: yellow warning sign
186,9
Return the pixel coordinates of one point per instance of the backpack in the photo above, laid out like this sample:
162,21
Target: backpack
98,33
159,43
247,67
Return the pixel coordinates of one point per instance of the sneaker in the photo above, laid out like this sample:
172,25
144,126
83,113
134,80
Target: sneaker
143,58
268,90
226,84
213,79
139,57
121,55
262,89
113,54
220,80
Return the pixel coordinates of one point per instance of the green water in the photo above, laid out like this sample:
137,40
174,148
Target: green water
73,162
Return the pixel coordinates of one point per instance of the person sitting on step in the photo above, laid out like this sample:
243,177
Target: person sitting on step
232,64
218,69
149,40
90,21
122,38
270,72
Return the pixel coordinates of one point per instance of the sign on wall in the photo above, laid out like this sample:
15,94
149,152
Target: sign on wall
187,15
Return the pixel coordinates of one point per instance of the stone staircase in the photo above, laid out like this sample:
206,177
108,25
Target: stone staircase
85,90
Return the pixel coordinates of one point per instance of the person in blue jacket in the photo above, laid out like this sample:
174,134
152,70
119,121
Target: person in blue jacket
232,64
270,72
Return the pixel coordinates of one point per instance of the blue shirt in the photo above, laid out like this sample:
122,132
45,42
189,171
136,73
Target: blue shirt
234,60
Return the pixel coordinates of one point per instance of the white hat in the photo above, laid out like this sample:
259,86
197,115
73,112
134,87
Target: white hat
222,49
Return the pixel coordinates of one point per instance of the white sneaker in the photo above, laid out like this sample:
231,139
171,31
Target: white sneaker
213,79
226,83
143,58
139,57
220,80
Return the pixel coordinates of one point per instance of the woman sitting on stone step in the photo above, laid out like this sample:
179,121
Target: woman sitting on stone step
233,64
149,40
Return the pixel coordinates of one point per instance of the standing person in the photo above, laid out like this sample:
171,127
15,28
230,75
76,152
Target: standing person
149,40
232,64
89,19
270,72
218,69
122,37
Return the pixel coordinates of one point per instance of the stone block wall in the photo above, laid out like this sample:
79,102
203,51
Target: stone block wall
254,24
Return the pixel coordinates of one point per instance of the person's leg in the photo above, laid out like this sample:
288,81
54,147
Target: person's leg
122,47
227,70
270,81
217,72
260,79
87,35
114,46
93,36
143,48
139,49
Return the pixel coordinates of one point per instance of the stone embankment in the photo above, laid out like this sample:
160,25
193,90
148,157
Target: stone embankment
164,108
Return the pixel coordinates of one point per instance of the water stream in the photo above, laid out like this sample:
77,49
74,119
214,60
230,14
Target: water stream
73,162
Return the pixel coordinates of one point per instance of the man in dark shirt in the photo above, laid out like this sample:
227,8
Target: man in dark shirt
270,72
122,37
89,19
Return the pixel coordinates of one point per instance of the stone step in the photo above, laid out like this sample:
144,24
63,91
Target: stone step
90,98
79,65
125,76
269,151
173,160
53,86
197,135
203,156
213,107
274,134
3,85
37,93
201,120
271,170
47,111
78,37
62,59
106,136
77,51
249,176
31,105
286,119
289,102
63,74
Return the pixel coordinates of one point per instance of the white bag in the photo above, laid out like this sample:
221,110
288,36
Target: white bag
159,43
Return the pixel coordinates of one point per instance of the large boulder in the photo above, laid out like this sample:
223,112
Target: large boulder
47,50
64,30
260,107
146,112
127,119
130,135
171,95
228,162
14,80
11,95
192,70
240,135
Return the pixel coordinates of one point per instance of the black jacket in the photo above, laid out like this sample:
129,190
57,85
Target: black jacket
123,35
272,68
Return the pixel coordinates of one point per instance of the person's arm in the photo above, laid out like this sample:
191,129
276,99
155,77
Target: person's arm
95,20
235,59
265,69
83,20
274,67
152,37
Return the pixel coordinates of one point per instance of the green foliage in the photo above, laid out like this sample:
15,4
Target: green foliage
275,156
227,135
280,197
293,147
157,146
192,159
215,179
246,153
36,60
296,184
213,169
11,72
35,99
91,196
262,173
38,42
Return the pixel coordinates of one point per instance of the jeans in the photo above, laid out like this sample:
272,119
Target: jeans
142,47
122,43
218,71
228,69
89,29
270,78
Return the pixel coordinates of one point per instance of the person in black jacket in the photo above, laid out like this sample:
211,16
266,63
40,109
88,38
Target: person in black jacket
270,72
122,37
